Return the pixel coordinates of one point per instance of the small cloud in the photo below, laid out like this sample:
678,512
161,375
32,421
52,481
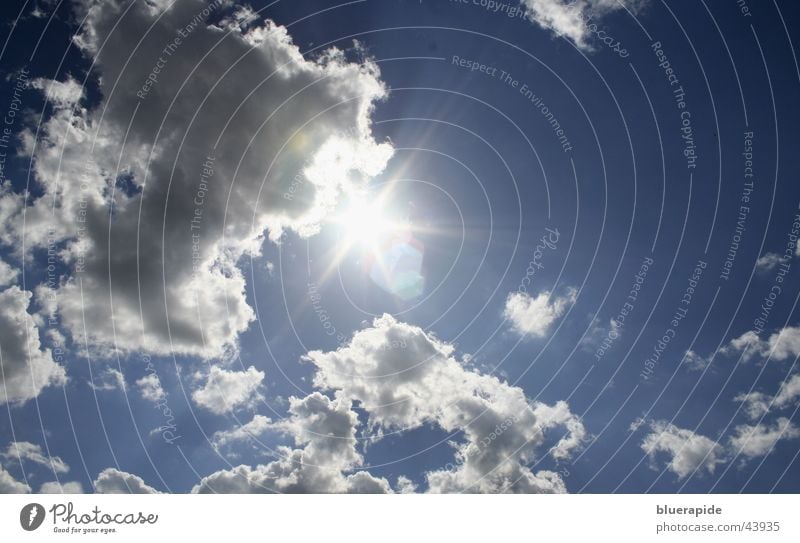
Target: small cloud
695,362
687,451
109,379
225,391
535,315
150,388
759,440
768,262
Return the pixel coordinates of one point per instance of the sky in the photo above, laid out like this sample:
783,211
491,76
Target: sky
448,246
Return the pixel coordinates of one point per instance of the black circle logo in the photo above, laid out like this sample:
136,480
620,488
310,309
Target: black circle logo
31,516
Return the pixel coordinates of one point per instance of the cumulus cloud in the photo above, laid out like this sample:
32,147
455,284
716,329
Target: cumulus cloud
788,393
27,368
687,451
534,315
324,432
150,388
423,383
758,404
108,379
54,487
759,439
7,274
570,18
780,345
59,93
280,119
225,391
768,262
695,362
114,481
754,404
9,485
257,426
23,451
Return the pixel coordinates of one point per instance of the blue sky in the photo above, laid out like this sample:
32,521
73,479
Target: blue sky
320,290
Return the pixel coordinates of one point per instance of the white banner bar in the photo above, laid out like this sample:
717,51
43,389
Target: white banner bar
400,518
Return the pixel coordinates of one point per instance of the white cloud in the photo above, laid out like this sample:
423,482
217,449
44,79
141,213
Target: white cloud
688,451
423,383
788,393
225,391
257,426
768,262
114,481
780,346
191,291
59,93
695,362
755,404
759,440
9,485
534,316
324,431
7,274
54,487
22,451
27,368
569,18
758,404
150,388
108,379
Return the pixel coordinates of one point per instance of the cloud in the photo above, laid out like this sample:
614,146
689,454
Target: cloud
759,440
185,210
54,487
114,481
27,368
225,391
150,388
59,93
8,274
9,485
780,346
324,431
423,383
695,362
534,316
758,404
108,379
768,262
23,451
569,18
688,452
788,393
755,404
257,426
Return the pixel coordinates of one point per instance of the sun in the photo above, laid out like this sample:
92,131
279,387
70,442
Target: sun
366,224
